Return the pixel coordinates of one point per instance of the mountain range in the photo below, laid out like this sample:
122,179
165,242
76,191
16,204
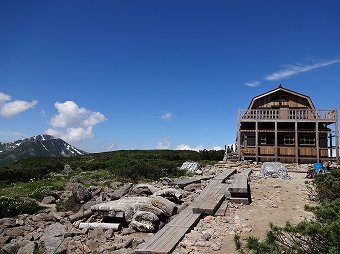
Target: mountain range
36,146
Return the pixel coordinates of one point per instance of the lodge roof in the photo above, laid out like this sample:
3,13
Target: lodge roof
281,88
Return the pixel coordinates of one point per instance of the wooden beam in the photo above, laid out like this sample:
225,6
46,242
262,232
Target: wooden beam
276,142
239,135
336,136
257,140
317,141
296,143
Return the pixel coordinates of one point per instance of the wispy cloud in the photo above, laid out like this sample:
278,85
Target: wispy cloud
196,148
10,108
167,116
295,69
188,147
253,83
9,136
164,143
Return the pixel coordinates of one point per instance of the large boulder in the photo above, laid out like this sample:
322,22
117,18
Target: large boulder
81,193
53,237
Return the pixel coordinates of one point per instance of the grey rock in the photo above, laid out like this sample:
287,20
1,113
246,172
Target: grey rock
92,244
97,234
10,248
109,234
7,222
27,249
67,169
4,240
117,194
48,200
206,236
14,232
53,238
81,192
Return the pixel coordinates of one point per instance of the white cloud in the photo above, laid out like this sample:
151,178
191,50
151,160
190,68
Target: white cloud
9,136
72,134
253,83
164,143
4,97
70,115
111,147
295,69
167,116
188,147
73,123
9,108
196,148
216,148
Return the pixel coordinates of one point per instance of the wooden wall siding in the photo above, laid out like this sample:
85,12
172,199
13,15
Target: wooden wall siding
286,151
294,101
307,151
324,153
266,150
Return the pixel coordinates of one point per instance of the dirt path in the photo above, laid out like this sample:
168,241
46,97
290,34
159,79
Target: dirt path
274,200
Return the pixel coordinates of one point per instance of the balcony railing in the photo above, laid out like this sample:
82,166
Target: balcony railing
288,114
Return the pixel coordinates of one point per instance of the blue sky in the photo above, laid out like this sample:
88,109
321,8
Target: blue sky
146,74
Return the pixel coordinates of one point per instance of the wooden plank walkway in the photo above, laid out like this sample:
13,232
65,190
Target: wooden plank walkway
239,189
213,195
186,181
166,239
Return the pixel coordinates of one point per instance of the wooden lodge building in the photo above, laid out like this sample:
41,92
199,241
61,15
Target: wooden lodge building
283,125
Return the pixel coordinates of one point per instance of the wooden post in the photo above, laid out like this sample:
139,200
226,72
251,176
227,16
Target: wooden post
257,140
239,135
276,143
336,136
317,141
296,143
331,144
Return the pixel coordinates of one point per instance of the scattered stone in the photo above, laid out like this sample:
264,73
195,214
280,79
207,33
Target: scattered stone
10,248
81,192
48,200
67,169
206,236
215,246
53,238
97,234
117,194
7,222
109,234
27,249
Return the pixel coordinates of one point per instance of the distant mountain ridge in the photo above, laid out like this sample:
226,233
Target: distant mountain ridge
36,146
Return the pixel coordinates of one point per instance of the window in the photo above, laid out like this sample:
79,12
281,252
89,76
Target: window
288,140
275,97
284,97
279,97
307,140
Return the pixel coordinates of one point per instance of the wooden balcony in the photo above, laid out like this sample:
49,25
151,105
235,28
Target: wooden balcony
287,114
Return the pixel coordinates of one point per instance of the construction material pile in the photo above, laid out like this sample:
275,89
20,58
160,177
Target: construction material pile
274,170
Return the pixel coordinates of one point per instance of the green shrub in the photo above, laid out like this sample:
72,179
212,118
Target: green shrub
10,207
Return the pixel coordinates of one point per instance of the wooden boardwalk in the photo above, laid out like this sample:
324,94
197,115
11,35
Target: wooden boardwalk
239,189
210,199
186,181
166,239
212,196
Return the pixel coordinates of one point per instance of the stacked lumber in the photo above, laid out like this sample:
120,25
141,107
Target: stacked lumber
239,189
